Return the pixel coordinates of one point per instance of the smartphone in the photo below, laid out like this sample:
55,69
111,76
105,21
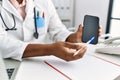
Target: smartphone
90,28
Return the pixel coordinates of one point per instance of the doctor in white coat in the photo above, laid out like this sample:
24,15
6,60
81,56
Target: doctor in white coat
24,25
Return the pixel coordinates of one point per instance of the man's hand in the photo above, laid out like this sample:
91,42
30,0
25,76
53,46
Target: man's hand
66,50
77,36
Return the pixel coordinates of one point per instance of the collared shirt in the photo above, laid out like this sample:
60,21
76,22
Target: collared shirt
20,7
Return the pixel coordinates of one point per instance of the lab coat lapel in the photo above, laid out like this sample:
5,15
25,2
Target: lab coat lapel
29,8
27,30
7,6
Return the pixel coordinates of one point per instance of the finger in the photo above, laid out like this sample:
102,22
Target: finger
100,31
99,34
70,58
78,51
70,45
74,45
80,45
80,28
81,53
100,26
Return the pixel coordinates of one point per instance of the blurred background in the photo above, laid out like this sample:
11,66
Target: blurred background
72,13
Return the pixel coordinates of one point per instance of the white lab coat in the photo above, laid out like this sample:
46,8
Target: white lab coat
13,43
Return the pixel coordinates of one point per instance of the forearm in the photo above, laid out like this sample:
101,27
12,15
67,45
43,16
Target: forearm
59,49
33,50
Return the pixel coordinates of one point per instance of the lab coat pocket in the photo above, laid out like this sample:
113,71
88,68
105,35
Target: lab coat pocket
40,22
30,23
42,30
40,25
30,28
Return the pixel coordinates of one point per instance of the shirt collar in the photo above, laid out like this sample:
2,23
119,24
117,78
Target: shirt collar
17,5
9,7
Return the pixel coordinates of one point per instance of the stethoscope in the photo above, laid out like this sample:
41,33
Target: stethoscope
35,34
7,29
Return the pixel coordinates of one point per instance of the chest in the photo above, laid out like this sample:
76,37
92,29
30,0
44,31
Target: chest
27,26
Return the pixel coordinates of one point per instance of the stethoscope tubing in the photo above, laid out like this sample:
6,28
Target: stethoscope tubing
7,28
36,34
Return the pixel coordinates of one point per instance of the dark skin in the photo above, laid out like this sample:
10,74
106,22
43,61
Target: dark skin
59,49
19,1
77,36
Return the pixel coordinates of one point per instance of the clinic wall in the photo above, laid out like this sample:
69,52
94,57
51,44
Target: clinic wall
91,7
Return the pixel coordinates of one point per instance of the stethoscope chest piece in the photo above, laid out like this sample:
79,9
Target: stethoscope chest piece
36,34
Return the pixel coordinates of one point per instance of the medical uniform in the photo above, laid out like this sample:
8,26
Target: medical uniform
14,42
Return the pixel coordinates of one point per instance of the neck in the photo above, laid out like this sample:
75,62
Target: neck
19,1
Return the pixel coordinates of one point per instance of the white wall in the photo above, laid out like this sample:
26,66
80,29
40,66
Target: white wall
91,7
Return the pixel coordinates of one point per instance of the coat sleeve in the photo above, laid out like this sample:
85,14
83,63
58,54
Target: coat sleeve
11,48
57,30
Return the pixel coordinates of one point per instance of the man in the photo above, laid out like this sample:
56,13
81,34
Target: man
17,28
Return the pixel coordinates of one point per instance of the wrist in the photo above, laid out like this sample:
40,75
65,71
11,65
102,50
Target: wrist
49,49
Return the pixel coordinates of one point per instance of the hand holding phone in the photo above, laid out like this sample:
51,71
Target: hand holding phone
90,29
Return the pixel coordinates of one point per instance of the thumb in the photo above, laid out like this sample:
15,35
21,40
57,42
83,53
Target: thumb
80,28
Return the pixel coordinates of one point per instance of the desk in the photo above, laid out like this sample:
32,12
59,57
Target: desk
10,63
88,68
114,59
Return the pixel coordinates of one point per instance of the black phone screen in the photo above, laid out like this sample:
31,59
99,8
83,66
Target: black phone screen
90,28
